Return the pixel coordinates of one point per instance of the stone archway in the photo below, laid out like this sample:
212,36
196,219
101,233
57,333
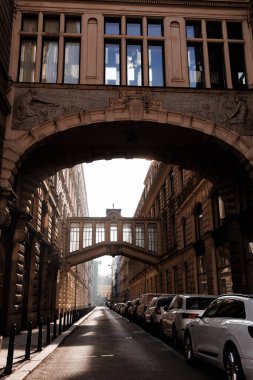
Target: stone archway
131,116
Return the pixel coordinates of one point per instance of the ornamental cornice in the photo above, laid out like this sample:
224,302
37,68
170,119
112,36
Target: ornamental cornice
182,3
187,3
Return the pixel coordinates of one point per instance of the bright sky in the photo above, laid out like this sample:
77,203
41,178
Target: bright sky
116,183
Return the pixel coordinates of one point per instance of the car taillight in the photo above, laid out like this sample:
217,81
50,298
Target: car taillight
158,310
250,329
189,315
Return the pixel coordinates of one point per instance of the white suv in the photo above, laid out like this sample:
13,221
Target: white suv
223,336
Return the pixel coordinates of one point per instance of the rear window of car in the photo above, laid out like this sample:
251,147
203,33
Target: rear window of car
164,301
198,303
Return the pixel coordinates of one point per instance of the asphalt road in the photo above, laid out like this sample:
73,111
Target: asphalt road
106,346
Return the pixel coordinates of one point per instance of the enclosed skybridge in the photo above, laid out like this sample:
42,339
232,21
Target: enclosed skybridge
136,238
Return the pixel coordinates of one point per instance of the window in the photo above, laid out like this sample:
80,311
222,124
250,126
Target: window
87,235
74,237
134,64
51,24
155,60
100,232
134,27
112,27
72,25
195,65
122,40
71,62
49,61
112,63
27,60
216,70
113,232
127,233
216,65
50,49
139,233
155,28
152,237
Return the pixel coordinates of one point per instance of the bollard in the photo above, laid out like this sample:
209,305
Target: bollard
55,326
39,347
60,324
28,341
9,362
48,330
64,321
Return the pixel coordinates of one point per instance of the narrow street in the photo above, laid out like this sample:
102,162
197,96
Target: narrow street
108,346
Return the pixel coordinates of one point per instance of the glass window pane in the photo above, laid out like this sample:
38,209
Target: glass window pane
100,232
139,235
193,29
236,52
27,61
71,62
155,29
216,65
134,28
134,65
152,237
195,65
127,233
112,63
213,29
72,25
51,24
74,237
49,62
155,55
87,235
112,27
30,23
234,30
113,232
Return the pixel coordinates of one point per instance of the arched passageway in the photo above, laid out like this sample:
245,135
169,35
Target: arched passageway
213,151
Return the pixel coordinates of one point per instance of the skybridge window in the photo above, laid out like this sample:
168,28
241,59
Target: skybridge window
87,235
100,232
74,237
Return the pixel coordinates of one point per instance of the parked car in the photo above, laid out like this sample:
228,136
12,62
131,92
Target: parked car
156,309
223,336
125,308
145,300
132,309
181,310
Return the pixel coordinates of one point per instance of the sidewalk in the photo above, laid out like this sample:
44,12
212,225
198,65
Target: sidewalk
21,367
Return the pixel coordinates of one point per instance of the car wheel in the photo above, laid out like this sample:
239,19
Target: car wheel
174,336
232,364
188,351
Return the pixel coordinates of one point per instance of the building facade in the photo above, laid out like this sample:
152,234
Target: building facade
197,253
165,80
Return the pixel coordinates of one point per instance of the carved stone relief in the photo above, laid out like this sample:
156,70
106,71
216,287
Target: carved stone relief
232,112
36,106
30,109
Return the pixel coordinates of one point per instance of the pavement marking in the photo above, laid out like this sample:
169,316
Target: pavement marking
107,355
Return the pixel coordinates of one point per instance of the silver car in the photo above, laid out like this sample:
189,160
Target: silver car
182,309
155,310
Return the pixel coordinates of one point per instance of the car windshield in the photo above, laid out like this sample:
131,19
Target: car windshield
198,303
